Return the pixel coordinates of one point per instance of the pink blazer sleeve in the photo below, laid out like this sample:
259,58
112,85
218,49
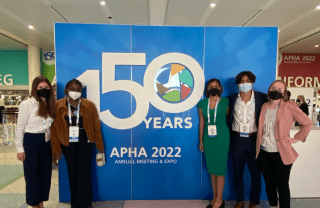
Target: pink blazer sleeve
303,120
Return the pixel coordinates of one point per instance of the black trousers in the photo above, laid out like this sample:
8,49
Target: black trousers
276,175
37,168
243,150
78,157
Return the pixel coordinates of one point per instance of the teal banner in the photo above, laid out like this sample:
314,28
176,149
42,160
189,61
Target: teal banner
14,67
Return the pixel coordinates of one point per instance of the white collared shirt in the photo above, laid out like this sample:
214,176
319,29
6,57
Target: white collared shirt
245,111
29,121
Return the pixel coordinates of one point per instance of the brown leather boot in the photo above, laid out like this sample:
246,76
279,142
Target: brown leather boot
239,204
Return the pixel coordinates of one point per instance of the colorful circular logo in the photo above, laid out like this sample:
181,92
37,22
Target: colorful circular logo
174,83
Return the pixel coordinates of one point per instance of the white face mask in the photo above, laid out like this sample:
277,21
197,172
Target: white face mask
246,87
74,95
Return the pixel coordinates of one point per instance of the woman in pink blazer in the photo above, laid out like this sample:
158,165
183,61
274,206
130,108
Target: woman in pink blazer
274,151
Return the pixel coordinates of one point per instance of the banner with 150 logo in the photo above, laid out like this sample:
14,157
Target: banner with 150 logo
146,82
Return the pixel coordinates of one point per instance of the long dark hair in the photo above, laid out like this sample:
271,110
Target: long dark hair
48,108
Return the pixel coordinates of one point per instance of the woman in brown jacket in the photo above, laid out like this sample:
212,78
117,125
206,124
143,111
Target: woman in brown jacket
73,132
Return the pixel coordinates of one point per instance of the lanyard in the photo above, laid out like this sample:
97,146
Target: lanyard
44,124
215,111
78,113
264,126
250,113
275,112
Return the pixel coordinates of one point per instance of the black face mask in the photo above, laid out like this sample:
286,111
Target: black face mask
275,95
298,100
43,93
214,91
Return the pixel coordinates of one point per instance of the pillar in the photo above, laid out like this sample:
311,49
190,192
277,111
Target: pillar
33,64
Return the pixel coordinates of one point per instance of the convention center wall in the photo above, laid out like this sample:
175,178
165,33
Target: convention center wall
146,82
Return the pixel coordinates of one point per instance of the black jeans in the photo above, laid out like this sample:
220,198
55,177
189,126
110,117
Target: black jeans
276,175
243,150
37,168
78,157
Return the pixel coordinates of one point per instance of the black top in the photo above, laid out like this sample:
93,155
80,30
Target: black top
74,111
304,107
1,112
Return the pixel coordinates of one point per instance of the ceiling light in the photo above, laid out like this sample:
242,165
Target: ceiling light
318,7
102,3
31,27
316,46
212,5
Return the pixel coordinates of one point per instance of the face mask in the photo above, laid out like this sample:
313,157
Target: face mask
44,93
214,91
74,95
298,100
275,95
246,87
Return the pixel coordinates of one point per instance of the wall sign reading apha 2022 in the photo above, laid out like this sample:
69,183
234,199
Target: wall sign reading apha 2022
146,82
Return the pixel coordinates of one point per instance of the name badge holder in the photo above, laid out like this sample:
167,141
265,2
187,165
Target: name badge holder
266,130
244,127
212,129
74,130
263,143
47,129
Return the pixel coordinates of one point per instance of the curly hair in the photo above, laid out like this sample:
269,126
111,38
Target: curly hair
75,81
249,74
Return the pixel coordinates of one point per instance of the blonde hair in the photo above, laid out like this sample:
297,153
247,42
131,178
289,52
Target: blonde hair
302,98
285,94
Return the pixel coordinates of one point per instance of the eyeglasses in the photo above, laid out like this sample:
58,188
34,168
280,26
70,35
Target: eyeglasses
277,89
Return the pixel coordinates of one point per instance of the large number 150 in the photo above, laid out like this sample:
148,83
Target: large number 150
143,94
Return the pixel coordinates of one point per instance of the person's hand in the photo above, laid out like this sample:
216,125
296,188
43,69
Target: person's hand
101,150
201,146
290,140
292,102
21,156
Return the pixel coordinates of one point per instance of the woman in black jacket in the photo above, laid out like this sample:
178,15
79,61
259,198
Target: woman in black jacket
301,101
